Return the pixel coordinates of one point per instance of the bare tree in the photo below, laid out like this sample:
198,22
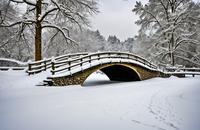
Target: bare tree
47,14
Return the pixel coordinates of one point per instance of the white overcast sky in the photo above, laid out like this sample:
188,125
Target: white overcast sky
116,18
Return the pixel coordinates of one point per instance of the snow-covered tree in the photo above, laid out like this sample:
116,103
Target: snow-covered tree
113,43
172,26
128,45
47,14
91,41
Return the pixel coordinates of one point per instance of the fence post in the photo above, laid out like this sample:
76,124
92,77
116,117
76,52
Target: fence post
136,58
29,67
90,59
109,55
119,57
81,62
150,65
53,66
45,64
144,62
69,66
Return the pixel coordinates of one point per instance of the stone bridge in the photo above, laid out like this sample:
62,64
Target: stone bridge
73,69
117,66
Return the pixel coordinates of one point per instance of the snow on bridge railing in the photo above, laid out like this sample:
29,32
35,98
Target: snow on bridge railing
68,65
178,69
43,65
72,63
182,71
69,61
12,64
12,68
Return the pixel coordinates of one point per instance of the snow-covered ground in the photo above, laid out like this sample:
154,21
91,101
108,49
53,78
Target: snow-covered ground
155,104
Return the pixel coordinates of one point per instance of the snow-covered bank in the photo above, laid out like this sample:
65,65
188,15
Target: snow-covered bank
164,104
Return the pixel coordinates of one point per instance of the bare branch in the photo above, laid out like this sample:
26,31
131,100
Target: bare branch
187,59
87,5
165,8
186,41
60,30
24,1
19,22
148,12
47,13
50,41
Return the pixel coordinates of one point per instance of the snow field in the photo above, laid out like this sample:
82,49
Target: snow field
155,104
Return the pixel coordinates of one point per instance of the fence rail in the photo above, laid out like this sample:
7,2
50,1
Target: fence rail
182,69
79,62
12,68
43,65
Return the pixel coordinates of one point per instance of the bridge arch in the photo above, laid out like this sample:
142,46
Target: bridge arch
118,72
114,71
121,73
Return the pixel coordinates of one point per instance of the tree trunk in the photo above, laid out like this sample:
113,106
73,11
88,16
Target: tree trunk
38,32
172,59
172,36
172,49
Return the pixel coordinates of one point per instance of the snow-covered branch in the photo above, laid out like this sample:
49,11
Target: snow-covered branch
60,30
29,2
148,12
42,17
165,8
19,22
186,41
86,5
178,3
187,59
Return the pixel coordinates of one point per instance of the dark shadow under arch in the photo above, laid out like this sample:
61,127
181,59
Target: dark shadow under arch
120,73
115,73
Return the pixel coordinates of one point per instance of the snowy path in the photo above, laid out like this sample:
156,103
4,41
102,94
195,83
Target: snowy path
156,104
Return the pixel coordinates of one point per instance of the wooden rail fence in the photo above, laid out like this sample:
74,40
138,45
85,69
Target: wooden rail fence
43,65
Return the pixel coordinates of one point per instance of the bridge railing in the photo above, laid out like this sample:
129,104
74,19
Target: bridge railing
43,65
189,69
12,68
183,69
69,64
